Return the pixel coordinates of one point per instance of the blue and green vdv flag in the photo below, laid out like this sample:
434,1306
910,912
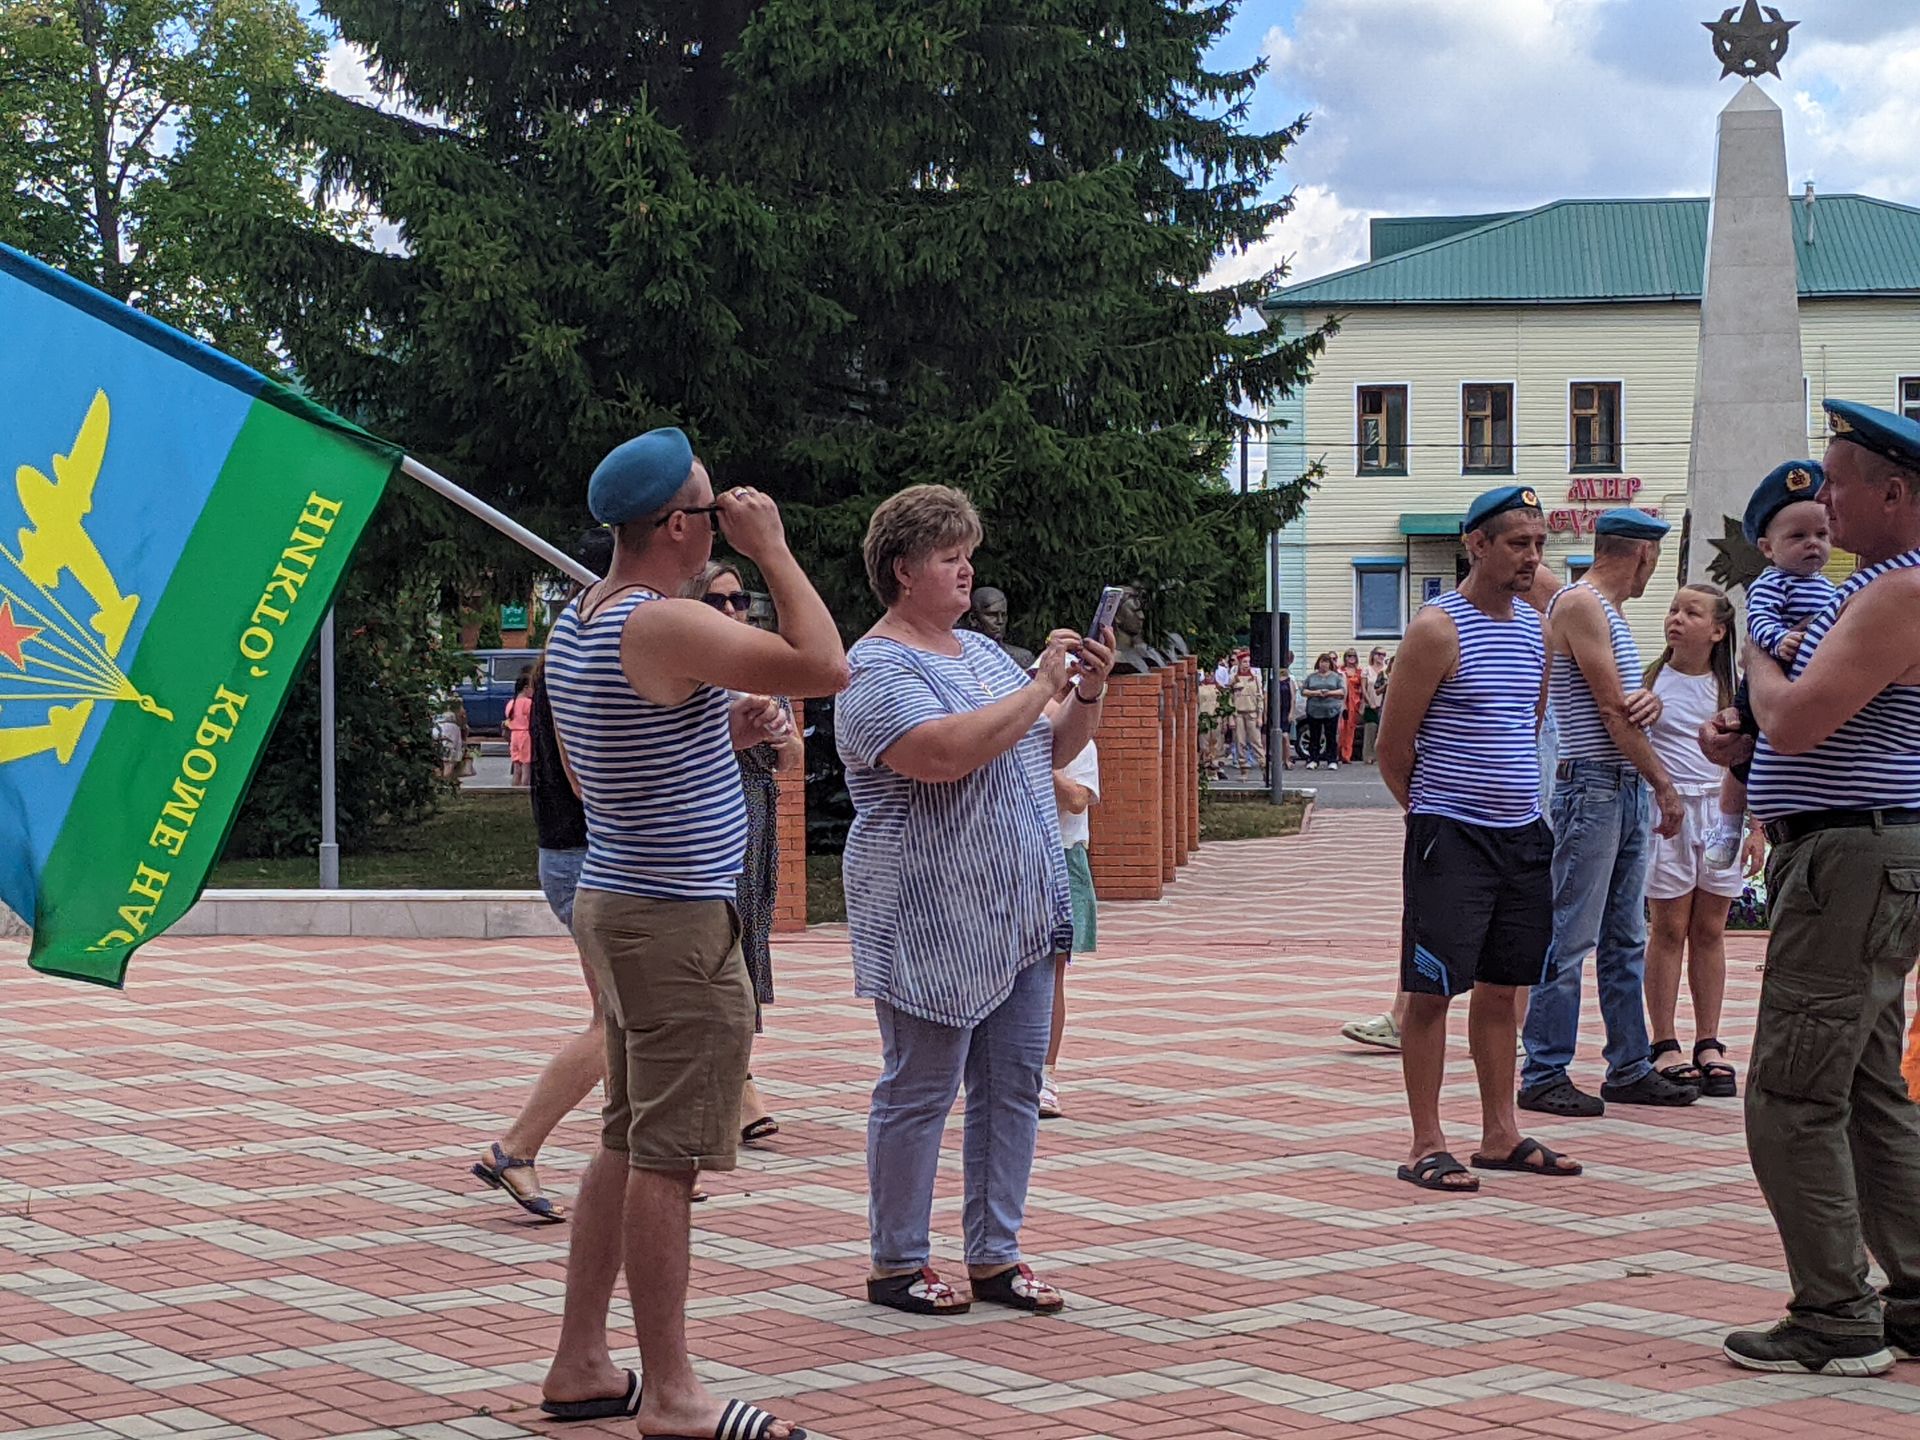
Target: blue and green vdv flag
172,527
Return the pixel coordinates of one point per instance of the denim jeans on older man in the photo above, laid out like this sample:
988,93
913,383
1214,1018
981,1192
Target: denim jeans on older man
1000,1059
1602,816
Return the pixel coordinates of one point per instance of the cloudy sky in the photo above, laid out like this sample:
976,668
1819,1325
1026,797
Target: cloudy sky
1464,106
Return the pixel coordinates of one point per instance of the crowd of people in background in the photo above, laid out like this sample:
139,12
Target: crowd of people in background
1328,718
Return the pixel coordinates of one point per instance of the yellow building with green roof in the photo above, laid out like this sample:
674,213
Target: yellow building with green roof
1552,347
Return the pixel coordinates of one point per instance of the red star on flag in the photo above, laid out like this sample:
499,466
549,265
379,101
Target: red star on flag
13,636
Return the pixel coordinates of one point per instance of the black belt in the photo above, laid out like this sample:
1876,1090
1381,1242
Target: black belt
1797,827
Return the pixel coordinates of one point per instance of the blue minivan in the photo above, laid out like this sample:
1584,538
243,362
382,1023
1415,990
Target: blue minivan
489,686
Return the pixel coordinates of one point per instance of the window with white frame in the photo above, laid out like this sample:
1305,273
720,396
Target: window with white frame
1381,429
1594,425
1486,429
1379,598
1910,396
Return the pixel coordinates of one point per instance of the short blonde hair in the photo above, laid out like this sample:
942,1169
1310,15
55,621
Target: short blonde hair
912,525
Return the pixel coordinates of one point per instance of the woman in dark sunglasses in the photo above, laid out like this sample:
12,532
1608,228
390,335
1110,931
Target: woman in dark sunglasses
722,588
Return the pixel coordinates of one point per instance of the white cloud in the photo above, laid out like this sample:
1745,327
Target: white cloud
1318,236
1465,106
346,72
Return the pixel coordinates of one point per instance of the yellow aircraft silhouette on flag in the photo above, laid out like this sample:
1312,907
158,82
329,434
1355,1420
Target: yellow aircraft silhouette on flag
45,653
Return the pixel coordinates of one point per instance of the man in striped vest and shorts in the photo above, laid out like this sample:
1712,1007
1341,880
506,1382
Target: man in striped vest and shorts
1608,785
639,680
1834,1139
1457,748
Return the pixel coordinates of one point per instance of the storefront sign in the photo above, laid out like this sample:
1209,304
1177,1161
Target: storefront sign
1591,496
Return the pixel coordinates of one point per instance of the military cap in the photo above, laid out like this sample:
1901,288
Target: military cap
1880,431
640,476
1498,502
1631,524
1785,485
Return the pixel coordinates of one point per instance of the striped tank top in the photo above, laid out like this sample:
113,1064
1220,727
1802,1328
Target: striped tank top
666,817
1870,763
1476,758
1583,734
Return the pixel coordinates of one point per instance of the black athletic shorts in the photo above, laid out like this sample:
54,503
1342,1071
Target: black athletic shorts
1478,905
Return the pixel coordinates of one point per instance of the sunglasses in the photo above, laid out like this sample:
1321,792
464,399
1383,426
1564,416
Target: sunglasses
712,512
738,600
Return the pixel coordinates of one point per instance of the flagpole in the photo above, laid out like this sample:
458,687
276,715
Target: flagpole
508,527
329,838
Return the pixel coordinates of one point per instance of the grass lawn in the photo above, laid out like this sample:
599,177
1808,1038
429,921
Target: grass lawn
486,842
474,842
1252,819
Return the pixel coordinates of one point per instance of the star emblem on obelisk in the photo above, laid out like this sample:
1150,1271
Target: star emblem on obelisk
1750,46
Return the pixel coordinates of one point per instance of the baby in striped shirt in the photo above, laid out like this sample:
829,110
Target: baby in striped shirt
1787,523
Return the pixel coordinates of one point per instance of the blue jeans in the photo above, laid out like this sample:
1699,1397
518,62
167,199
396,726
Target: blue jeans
1549,747
559,878
1602,835
1000,1059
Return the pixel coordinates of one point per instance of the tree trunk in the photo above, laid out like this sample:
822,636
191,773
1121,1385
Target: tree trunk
114,277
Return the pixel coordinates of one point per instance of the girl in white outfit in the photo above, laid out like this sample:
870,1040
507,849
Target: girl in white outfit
1687,898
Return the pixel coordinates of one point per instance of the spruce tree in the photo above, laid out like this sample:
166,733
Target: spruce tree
849,244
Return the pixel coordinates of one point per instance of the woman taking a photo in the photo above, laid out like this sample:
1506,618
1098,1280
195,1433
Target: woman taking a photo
720,586
1326,696
1687,899
957,894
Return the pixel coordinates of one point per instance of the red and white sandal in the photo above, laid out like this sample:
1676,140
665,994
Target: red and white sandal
1018,1290
919,1293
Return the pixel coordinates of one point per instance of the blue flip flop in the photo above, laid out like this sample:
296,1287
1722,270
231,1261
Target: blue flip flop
607,1407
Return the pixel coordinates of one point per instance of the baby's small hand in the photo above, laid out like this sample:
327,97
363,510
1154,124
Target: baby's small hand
1789,646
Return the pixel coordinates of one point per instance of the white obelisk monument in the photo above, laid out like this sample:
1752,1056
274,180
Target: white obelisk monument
1750,406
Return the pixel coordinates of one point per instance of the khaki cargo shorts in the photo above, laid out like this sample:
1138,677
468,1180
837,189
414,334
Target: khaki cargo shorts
677,1004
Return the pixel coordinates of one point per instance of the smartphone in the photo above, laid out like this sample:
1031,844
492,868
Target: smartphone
1104,612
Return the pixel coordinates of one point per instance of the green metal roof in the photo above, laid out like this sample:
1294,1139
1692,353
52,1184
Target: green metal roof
1392,234
1576,251
1414,523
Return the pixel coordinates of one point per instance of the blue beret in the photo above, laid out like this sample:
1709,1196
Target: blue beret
1631,524
1880,431
1785,485
639,477
1498,502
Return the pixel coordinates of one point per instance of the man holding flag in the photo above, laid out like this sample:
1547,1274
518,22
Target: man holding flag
639,683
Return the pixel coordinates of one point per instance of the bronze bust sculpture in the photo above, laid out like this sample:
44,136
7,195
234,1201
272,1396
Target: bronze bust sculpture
987,613
1134,655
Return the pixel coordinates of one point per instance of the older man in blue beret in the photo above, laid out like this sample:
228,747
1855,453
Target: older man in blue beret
1608,786
1834,1139
639,681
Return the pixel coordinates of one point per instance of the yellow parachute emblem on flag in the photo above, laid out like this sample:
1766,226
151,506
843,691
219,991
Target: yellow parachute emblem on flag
46,654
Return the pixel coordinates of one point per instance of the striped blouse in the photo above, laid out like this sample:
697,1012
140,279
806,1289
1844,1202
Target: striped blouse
1476,758
666,818
952,889
1778,600
1872,762
1583,734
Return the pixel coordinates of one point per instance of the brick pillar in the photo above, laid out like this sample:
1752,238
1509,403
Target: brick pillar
1170,804
790,905
1191,765
1127,823
1184,750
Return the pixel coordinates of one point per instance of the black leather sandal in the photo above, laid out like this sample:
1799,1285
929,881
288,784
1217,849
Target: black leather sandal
1717,1077
1679,1072
919,1293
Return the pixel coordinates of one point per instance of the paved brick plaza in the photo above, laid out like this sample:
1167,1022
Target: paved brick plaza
234,1203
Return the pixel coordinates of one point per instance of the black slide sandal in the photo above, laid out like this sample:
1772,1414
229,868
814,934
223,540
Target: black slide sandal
739,1421
607,1407
1520,1161
1432,1172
